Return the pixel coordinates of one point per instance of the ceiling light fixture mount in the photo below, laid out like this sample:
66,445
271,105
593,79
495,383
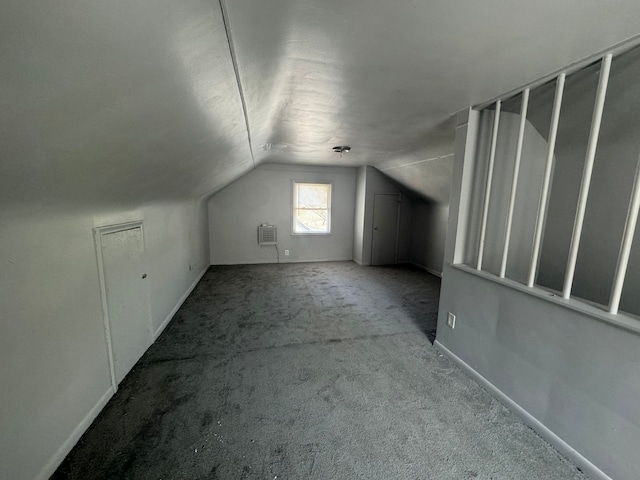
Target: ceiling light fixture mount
342,149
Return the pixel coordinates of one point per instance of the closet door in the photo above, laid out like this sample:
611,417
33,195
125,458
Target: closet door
126,296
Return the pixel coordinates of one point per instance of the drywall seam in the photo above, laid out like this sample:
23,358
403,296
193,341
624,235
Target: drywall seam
437,157
426,269
304,168
57,458
563,447
234,62
166,321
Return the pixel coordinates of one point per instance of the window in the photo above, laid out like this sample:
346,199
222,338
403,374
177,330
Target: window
558,213
311,208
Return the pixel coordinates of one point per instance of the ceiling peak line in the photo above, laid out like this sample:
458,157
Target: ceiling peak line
234,61
438,157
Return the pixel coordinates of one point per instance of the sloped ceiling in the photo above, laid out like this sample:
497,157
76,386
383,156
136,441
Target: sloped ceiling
117,101
126,101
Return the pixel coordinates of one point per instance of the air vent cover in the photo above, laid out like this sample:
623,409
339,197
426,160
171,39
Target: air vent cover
267,235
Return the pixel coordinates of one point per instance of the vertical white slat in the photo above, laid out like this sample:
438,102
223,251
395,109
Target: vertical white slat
487,191
544,195
627,241
586,175
514,182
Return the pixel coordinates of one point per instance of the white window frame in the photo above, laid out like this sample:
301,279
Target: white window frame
294,208
606,312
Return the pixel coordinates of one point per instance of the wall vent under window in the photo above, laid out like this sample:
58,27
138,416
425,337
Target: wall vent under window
267,235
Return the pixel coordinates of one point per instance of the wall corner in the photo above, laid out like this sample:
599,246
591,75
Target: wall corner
467,121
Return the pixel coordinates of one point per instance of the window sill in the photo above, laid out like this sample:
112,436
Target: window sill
623,320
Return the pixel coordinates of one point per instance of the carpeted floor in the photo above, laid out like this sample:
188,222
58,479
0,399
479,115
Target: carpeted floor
307,371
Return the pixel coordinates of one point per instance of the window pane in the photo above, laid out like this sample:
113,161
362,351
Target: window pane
313,196
616,161
312,208
312,221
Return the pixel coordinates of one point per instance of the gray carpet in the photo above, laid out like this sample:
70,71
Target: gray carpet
299,371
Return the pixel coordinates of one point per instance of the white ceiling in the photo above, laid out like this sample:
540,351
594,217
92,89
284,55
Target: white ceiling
127,101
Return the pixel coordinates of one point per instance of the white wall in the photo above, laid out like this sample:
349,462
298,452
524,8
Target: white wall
568,369
429,228
265,195
534,152
430,180
423,223
405,227
358,227
53,361
377,183
611,184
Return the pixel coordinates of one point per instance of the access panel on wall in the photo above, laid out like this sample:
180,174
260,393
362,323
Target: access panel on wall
125,296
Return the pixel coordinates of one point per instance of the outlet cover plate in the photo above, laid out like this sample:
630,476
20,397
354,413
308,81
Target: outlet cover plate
451,320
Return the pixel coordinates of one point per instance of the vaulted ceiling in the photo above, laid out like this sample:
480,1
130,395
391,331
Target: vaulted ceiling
127,101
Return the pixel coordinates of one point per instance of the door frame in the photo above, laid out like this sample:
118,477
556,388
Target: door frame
373,225
98,232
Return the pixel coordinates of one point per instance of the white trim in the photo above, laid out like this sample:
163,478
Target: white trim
514,182
594,135
624,320
626,245
119,227
563,447
426,269
175,309
266,262
55,461
546,182
57,458
294,203
98,232
488,183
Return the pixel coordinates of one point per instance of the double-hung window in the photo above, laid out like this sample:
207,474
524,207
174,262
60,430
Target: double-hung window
311,208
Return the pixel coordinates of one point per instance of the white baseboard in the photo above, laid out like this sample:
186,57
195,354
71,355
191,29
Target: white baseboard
427,269
563,447
57,458
70,442
166,321
284,260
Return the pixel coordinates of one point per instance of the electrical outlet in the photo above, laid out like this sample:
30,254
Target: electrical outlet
286,253
451,320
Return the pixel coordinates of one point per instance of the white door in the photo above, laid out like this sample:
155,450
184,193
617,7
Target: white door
385,229
126,295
